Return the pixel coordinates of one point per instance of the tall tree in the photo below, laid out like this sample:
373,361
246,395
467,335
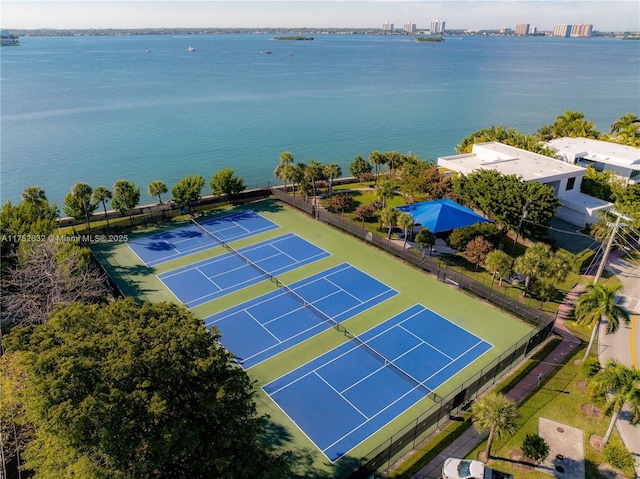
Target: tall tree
331,172
629,119
496,413
388,218
406,222
24,219
499,263
477,250
425,239
188,190
77,203
618,385
297,174
101,195
533,263
377,159
394,160
314,172
598,304
283,171
226,182
126,196
157,188
384,189
129,390
359,166
36,196
571,124
364,212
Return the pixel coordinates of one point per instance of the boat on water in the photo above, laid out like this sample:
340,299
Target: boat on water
148,50
290,54
191,49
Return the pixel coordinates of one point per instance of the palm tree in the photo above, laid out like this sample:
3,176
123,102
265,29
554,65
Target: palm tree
384,189
494,412
388,218
500,263
83,192
101,195
332,171
297,174
619,385
405,221
36,196
630,119
157,188
313,172
376,159
533,263
599,303
283,171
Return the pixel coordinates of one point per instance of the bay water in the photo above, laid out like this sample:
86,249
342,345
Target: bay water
143,108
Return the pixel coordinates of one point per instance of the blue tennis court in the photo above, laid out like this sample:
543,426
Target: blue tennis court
209,279
344,396
263,327
168,245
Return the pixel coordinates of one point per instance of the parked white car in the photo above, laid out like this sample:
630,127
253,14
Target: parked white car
466,469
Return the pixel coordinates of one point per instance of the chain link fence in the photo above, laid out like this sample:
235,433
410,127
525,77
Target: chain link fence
411,434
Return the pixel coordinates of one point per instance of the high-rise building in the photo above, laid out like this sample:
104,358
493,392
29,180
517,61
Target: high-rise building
562,31
522,29
533,30
387,27
581,30
409,27
437,27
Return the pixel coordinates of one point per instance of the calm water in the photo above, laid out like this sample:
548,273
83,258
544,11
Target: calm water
97,109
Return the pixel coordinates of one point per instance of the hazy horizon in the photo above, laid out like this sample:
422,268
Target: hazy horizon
472,14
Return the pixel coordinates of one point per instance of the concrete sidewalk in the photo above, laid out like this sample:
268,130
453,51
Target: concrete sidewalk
471,438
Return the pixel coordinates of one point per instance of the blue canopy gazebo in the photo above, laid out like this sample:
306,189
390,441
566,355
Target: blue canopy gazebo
440,216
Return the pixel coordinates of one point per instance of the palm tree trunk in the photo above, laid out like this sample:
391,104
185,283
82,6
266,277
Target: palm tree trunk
614,418
404,245
159,199
106,217
591,340
489,443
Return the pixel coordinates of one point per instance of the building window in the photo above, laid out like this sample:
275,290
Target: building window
571,182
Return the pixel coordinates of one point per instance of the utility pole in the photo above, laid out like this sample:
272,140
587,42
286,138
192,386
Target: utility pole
607,249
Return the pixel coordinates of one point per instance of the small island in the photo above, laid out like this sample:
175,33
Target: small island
429,39
289,37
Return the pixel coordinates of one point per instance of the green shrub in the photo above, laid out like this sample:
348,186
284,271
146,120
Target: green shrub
534,447
618,456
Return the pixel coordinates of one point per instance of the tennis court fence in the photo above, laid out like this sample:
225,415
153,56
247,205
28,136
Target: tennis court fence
387,453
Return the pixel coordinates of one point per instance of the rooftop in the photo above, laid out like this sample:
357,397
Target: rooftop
509,160
596,150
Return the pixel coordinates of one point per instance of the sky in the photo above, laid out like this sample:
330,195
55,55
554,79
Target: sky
604,15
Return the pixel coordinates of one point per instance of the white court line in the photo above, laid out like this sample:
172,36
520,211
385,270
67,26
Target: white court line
338,393
262,326
342,289
454,360
271,347
423,341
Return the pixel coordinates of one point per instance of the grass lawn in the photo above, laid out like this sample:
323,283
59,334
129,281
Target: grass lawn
560,399
414,287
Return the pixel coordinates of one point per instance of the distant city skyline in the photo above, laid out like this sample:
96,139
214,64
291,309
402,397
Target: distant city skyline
604,15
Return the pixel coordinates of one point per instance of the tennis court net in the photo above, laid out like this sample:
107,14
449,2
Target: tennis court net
322,315
231,249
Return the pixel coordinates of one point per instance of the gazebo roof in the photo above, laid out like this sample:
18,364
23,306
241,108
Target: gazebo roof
442,215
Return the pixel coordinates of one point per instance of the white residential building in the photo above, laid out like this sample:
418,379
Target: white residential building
409,28
565,179
522,29
623,160
581,30
437,27
562,31
387,27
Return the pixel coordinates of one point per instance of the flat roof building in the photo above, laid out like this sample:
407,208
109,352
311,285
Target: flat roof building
522,29
437,27
409,27
387,27
623,161
562,31
565,178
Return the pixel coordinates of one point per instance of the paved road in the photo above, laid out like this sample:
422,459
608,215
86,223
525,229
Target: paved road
624,345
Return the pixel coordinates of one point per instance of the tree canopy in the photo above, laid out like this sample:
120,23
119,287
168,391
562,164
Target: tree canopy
126,196
129,390
188,190
226,182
